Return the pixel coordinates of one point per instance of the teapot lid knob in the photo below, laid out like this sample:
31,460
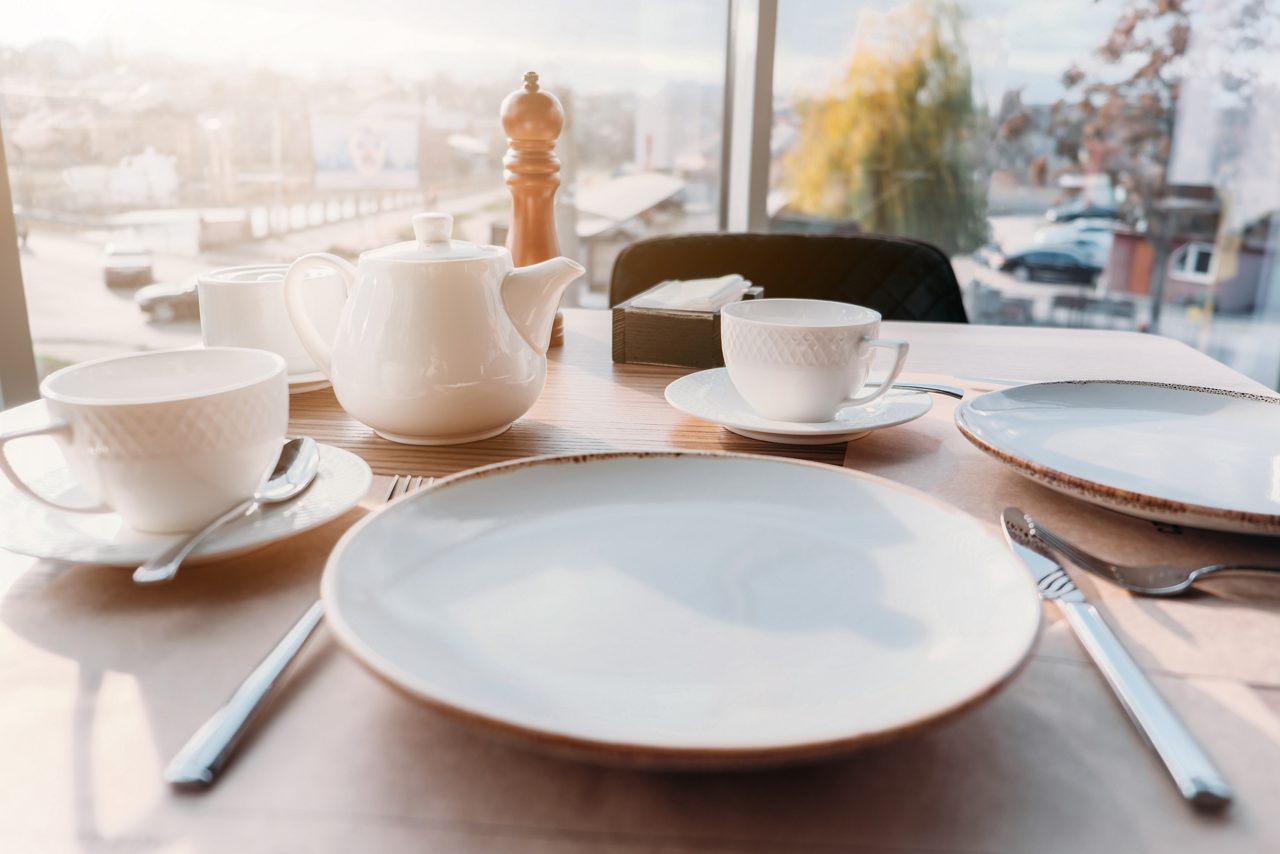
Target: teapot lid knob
433,228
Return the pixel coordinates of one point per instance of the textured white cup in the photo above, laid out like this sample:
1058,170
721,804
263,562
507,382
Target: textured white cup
168,439
244,307
803,360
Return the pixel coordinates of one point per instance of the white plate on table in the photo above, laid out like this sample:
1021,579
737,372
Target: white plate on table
29,528
681,609
710,395
1184,455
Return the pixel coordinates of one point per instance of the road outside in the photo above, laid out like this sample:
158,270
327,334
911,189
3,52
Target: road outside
1014,234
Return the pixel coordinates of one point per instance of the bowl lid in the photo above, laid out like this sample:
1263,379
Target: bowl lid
432,232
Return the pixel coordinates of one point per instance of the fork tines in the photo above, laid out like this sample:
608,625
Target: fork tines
403,484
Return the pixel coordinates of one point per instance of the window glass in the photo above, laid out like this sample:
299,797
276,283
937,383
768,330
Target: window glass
187,135
1126,129
1203,260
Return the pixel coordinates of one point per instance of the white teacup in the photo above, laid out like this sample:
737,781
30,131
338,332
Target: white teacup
244,307
169,439
801,359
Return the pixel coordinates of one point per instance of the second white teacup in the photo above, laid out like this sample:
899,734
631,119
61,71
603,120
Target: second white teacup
244,307
801,359
168,439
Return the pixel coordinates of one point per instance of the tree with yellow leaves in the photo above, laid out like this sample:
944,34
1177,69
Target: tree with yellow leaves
891,145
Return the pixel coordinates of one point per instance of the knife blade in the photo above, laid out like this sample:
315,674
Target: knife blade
1194,773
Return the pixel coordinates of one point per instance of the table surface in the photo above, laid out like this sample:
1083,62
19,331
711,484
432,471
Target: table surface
103,681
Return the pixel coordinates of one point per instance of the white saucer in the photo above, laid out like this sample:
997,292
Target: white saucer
310,381
710,395
34,529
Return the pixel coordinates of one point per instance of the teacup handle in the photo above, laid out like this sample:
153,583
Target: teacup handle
320,350
900,359
52,428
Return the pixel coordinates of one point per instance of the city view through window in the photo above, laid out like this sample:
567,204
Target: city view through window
1112,164
146,148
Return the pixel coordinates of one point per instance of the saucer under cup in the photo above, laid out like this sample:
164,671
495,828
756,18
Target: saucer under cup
710,395
803,360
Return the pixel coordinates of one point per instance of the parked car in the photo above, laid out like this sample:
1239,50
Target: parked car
126,266
1090,237
989,255
165,303
1052,264
1080,210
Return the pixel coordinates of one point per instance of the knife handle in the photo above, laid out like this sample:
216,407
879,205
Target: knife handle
200,760
1191,768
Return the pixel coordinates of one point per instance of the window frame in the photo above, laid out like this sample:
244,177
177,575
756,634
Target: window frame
18,382
748,115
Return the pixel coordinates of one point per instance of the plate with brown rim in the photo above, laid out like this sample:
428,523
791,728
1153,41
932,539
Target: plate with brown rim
1179,454
682,610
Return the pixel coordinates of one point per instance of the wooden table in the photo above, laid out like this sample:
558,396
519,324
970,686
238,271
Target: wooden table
102,681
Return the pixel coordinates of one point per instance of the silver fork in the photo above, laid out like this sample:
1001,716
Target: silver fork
207,752
1160,580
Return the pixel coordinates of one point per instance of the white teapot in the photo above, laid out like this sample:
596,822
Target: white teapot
440,341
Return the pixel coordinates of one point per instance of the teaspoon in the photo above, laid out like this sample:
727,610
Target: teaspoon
295,469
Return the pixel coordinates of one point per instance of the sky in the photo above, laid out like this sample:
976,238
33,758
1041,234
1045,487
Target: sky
601,45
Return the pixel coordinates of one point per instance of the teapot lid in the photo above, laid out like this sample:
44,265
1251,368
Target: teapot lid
432,232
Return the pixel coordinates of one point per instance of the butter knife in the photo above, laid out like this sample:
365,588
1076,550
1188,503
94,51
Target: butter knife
1192,770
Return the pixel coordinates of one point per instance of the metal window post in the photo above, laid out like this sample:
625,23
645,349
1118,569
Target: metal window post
17,360
748,115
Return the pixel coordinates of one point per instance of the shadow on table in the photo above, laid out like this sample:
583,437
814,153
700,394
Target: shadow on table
97,617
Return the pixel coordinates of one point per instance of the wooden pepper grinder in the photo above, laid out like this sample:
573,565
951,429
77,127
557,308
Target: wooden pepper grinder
532,119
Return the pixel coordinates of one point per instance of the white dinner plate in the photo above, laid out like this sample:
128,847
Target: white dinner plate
710,395
1185,455
681,609
30,528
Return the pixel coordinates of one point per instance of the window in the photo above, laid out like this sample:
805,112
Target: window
1119,132
1193,262
195,134
1137,134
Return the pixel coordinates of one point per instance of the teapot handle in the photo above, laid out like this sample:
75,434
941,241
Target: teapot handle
321,351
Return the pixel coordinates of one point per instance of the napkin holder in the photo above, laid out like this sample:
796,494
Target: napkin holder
659,336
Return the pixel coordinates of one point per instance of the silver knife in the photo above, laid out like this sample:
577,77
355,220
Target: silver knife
1192,770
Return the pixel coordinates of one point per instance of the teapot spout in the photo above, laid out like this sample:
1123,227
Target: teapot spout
531,294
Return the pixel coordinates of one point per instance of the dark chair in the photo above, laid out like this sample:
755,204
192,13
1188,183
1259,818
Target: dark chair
902,279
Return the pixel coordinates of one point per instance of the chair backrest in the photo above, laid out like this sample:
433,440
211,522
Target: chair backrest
902,279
